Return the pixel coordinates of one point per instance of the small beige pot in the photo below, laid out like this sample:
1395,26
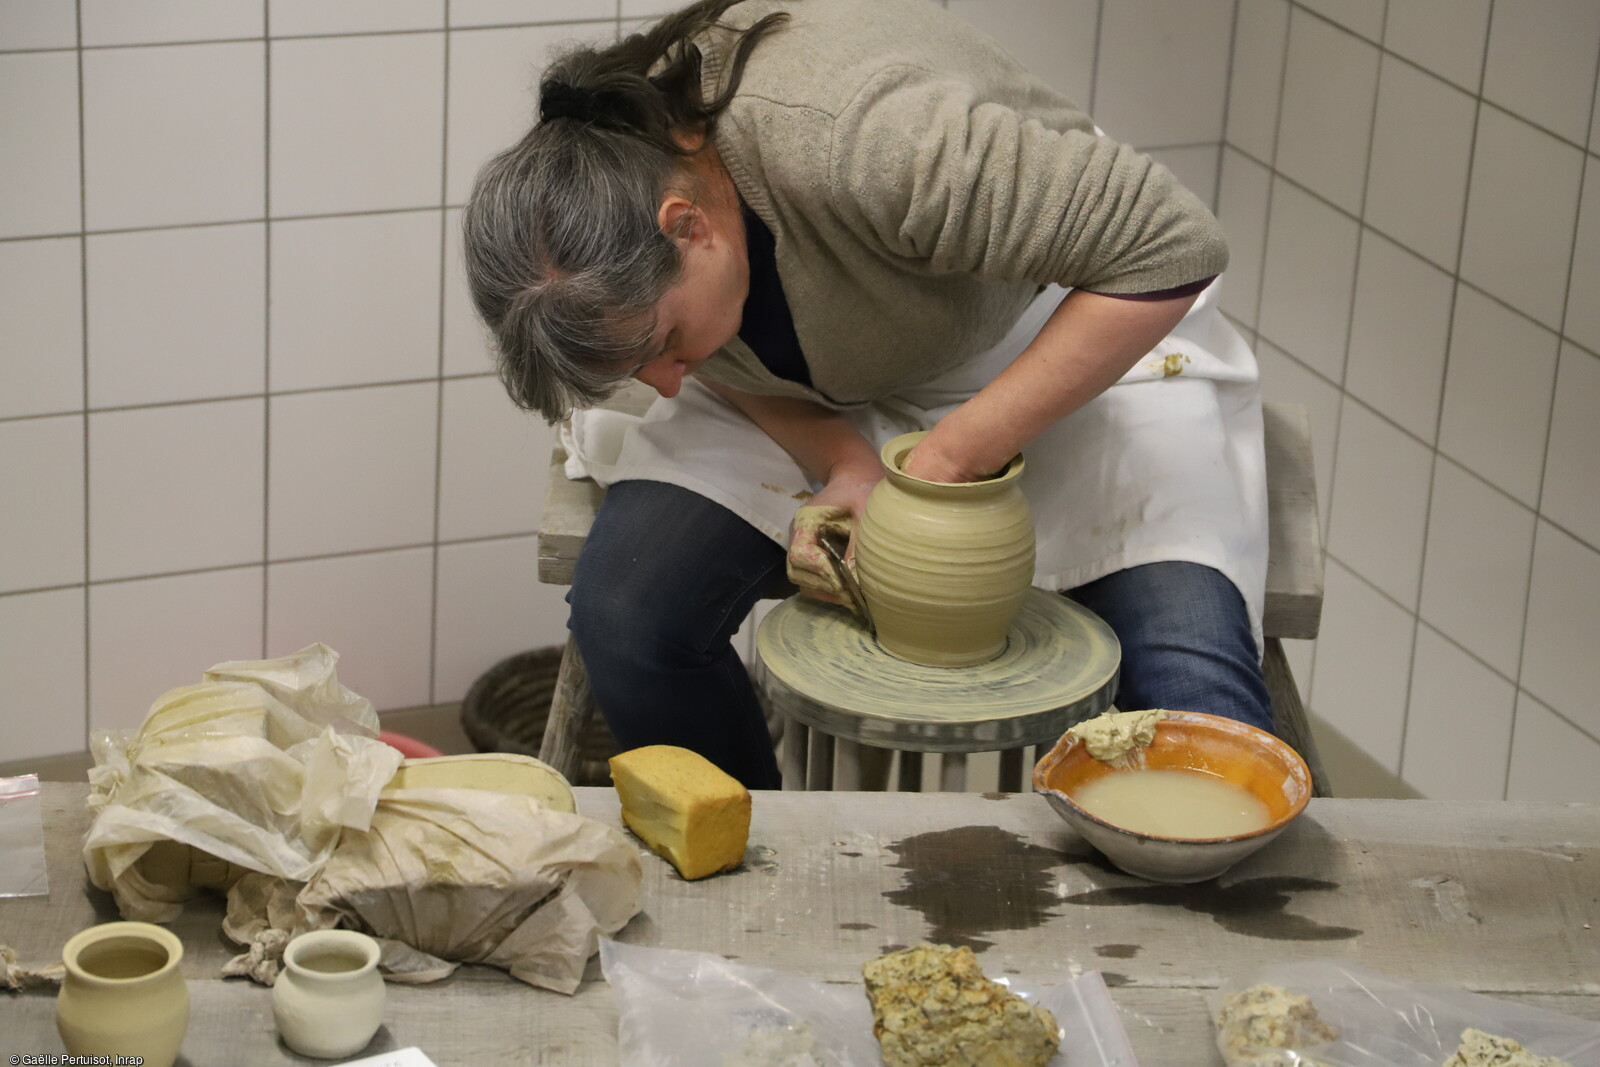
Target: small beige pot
123,994
944,566
328,999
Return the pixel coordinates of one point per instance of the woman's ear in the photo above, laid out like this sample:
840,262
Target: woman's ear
678,217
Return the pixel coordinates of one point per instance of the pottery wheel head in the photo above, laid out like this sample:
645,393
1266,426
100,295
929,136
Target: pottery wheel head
819,664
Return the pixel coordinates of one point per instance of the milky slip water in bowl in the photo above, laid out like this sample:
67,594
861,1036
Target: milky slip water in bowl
1173,803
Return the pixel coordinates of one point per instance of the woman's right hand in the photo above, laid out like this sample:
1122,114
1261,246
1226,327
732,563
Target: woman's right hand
835,511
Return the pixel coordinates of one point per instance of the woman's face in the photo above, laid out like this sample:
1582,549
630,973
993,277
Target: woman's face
701,312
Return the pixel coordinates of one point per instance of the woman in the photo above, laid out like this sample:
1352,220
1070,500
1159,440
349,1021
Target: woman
811,225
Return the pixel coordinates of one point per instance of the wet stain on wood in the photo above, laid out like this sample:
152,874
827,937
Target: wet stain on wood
849,853
974,880
1112,979
997,796
1255,907
1118,952
857,926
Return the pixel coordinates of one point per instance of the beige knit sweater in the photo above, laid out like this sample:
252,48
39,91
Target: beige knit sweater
921,186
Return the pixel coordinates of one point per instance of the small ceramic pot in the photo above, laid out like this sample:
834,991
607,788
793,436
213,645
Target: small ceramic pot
944,566
123,994
328,999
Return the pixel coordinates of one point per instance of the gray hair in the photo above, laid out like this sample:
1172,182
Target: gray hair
566,261
564,255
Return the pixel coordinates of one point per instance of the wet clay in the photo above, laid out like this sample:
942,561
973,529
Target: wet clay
944,566
974,880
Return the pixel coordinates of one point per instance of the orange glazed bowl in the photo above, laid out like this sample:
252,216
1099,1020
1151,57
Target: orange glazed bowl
1184,740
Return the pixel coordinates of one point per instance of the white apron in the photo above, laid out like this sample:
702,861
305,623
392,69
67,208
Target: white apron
1167,464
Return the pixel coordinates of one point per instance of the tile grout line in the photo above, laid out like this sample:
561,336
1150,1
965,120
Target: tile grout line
266,319
1344,384
1227,103
438,426
218,223
332,35
309,390
1586,175
1273,176
1479,103
315,557
83,297
1094,63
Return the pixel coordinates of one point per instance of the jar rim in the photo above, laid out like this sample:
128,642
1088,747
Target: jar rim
148,933
895,450
365,947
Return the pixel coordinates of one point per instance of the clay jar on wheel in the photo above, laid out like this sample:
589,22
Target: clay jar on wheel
123,994
328,999
944,567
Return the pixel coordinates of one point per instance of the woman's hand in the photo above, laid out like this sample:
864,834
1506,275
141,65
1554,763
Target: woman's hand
930,463
835,511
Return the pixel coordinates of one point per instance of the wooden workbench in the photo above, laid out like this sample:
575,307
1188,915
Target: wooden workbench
1499,898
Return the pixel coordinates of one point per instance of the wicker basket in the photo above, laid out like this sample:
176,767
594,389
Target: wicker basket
506,709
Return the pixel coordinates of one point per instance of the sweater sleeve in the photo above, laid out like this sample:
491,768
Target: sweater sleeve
936,171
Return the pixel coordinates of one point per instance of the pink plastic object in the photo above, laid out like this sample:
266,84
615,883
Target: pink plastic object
409,747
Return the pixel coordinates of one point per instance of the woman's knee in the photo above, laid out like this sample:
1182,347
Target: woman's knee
1186,640
666,575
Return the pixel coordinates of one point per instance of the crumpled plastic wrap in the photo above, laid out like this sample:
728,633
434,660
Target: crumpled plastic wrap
257,768
1379,1021
455,875
266,781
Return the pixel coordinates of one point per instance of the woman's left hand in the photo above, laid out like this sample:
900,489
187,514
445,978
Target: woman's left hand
931,464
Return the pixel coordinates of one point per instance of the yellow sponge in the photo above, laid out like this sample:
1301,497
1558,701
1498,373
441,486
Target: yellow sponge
684,807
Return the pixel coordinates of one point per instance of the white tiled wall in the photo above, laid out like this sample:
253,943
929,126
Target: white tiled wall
1420,179
244,403
245,398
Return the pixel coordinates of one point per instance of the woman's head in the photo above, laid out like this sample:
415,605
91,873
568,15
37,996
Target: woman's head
570,243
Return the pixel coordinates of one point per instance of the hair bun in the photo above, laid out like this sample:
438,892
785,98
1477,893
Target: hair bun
558,100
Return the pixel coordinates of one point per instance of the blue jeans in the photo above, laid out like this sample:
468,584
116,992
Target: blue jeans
667,577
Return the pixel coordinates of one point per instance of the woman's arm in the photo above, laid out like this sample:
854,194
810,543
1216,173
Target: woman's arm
832,451
1088,343
822,441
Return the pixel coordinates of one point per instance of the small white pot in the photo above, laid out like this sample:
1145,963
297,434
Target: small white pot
328,1000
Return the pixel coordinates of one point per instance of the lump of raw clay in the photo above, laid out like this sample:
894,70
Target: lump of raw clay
1112,736
1255,1025
933,1007
1479,1049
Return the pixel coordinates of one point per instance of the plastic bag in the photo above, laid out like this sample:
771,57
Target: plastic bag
696,1009
455,875
258,768
1386,1022
22,866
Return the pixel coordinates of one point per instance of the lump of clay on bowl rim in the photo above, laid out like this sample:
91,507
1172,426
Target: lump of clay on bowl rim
1112,736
